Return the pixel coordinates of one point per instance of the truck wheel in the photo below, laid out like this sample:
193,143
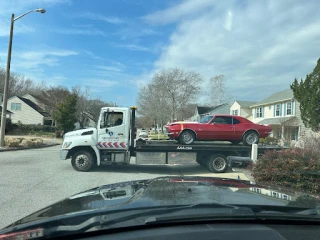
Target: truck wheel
187,137
250,137
83,161
217,163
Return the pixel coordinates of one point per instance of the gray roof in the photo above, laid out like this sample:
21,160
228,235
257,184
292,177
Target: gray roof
276,97
245,104
221,109
34,106
276,121
202,110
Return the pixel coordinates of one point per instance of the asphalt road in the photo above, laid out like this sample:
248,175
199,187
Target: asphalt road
33,179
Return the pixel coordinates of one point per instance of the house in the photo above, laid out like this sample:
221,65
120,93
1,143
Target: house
201,111
282,112
9,113
27,111
242,108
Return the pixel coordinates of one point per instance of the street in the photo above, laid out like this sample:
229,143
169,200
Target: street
33,179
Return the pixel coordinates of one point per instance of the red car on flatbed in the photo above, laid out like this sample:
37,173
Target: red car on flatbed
220,127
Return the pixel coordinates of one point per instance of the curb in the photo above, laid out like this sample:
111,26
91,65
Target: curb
26,148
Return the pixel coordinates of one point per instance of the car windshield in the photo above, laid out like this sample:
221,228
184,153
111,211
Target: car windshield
218,99
206,119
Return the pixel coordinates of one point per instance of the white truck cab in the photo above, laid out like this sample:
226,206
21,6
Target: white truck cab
110,141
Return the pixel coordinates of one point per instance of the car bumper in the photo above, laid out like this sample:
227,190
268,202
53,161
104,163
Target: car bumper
64,154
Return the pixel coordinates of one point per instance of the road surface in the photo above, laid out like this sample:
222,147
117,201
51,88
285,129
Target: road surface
32,179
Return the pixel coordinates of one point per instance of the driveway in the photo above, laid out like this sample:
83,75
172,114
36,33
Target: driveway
32,179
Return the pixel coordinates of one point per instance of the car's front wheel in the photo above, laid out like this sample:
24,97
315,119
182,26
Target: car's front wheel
187,137
250,137
83,161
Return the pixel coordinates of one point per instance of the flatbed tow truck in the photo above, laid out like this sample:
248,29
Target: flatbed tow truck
114,142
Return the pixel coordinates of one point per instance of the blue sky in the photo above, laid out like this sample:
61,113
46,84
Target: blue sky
115,46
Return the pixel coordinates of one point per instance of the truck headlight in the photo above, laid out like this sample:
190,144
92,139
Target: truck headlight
66,144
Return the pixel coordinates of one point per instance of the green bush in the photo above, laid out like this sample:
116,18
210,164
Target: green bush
295,168
35,128
269,141
9,125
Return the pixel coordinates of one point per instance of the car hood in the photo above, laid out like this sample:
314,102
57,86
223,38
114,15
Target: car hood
178,123
166,191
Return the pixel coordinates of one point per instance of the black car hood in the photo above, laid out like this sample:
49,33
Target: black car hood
166,191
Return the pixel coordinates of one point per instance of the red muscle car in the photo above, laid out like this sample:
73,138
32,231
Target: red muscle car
234,129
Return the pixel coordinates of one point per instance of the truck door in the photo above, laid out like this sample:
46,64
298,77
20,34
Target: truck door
113,129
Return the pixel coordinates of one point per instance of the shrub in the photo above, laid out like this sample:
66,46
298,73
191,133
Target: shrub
35,128
296,168
9,125
269,141
12,142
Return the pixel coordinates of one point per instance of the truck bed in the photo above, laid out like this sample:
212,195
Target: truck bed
174,146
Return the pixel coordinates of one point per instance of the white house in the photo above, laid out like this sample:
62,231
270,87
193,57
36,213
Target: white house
202,111
27,112
9,113
282,112
242,108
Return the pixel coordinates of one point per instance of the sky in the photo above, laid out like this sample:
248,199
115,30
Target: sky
115,46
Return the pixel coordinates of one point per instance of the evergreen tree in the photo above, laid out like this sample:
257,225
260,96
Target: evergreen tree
66,113
307,93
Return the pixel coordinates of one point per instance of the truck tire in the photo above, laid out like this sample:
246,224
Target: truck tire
83,161
187,137
250,137
217,163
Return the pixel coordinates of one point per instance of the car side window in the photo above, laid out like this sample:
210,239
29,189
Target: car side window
222,120
236,121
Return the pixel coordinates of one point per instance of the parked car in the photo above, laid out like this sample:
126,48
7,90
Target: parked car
143,134
235,129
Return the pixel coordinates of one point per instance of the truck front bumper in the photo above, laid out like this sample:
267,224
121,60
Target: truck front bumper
64,154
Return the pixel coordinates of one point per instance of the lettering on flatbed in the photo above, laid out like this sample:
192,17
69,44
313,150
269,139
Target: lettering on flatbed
184,148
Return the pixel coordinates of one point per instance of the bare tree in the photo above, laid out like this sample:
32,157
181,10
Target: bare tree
169,91
83,104
217,91
51,97
19,85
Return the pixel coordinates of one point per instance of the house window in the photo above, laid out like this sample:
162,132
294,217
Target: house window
278,110
235,112
16,106
289,108
259,112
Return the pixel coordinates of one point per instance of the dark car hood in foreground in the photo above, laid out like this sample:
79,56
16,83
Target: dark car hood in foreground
167,191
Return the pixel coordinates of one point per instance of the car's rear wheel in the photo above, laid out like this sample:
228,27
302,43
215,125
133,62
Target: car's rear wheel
187,137
250,137
83,161
217,163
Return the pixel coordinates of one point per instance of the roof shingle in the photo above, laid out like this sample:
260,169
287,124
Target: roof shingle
34,106
276,97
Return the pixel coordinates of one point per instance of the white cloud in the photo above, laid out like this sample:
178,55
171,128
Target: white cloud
91,54
31,60
260,47
135,32
186,9
109,68
99,17
79,31
99,85
133,47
